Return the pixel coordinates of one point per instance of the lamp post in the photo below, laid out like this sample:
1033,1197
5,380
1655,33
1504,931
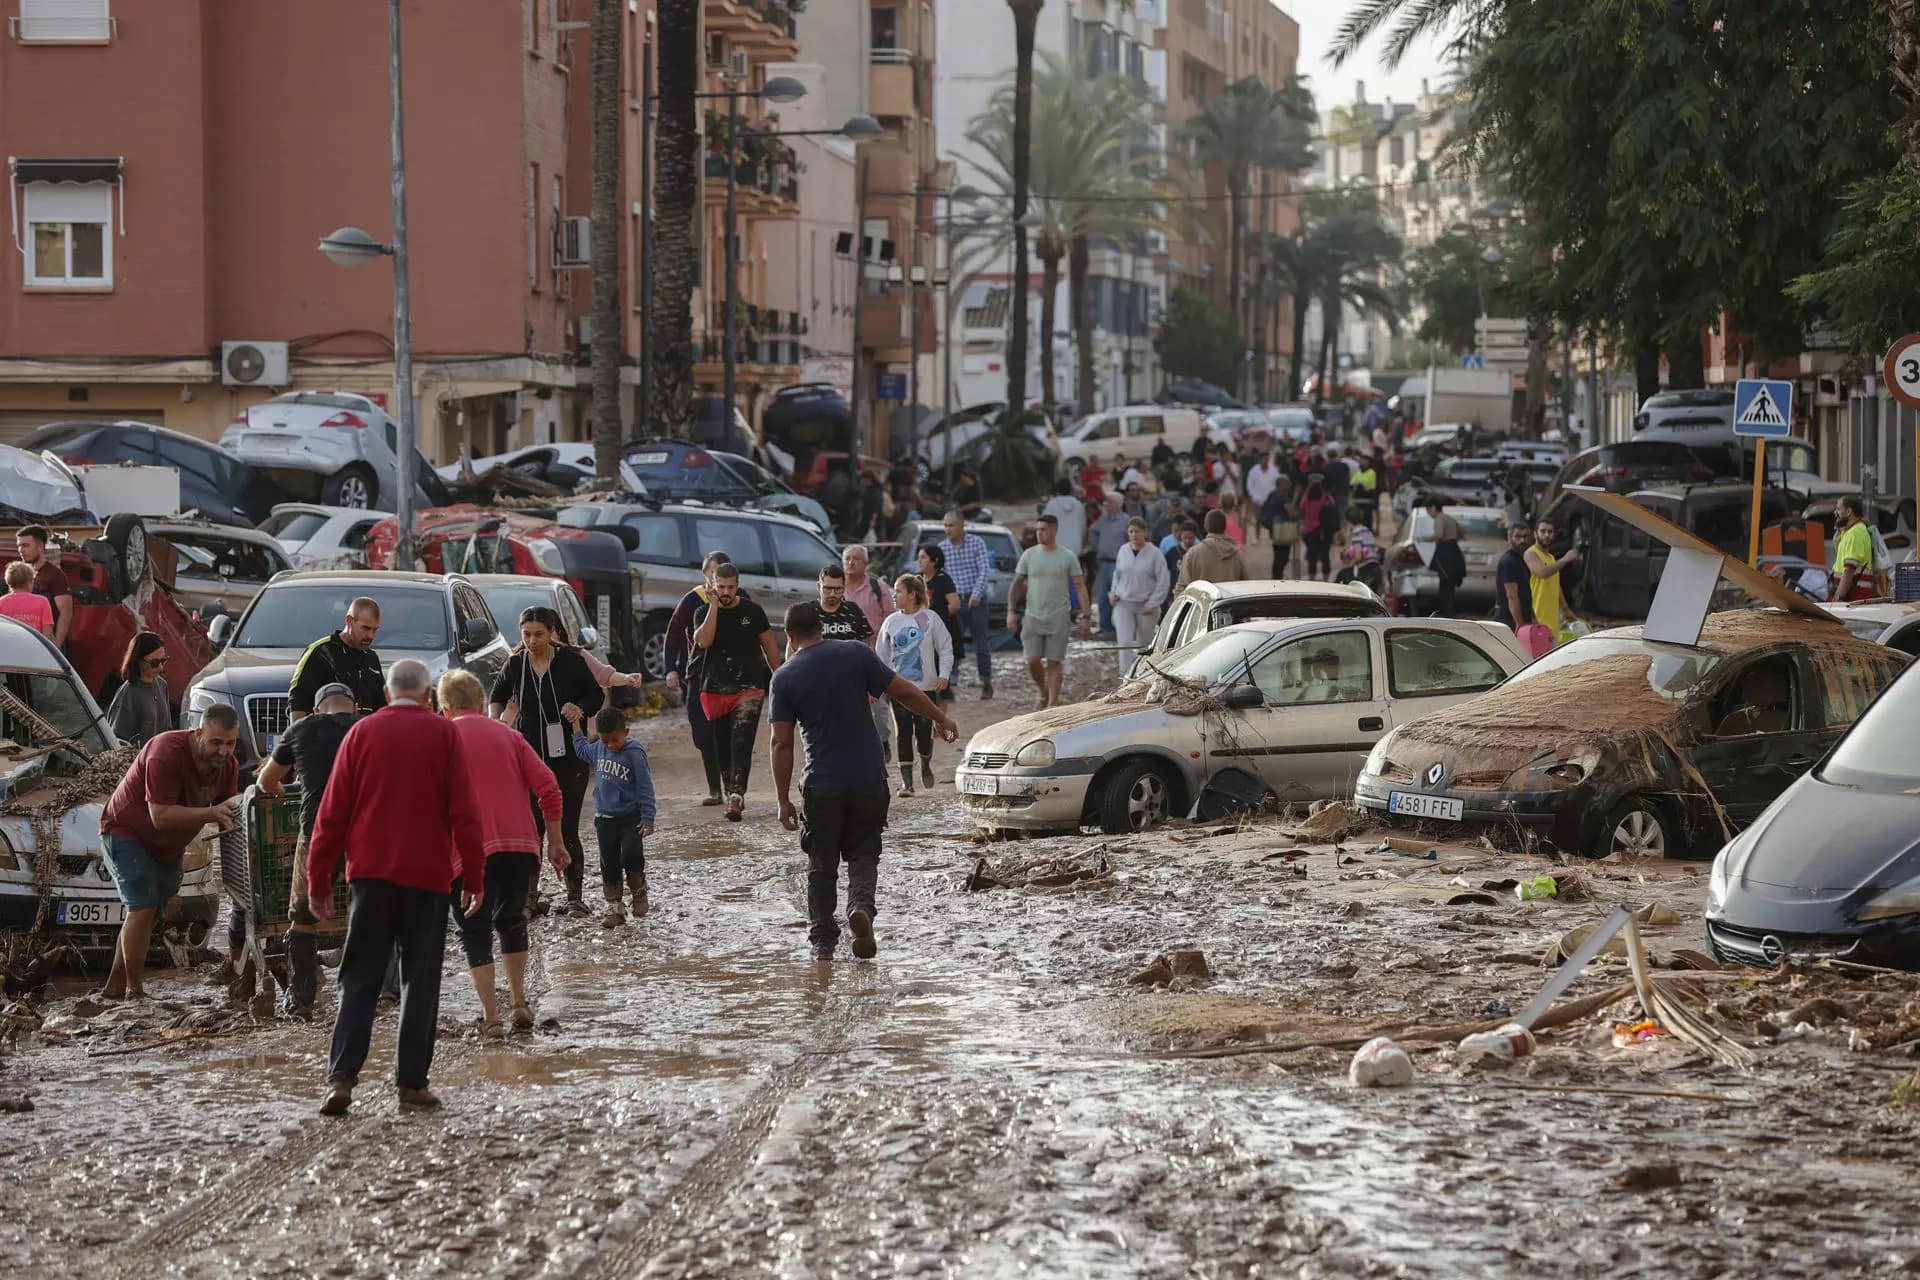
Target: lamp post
352,247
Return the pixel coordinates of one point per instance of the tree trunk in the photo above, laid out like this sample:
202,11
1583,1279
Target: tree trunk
1646,366
608,333
1329,345
1539,330
1686,363
1298,364
676,234
1026,18
1050,254
1236,249
1079,262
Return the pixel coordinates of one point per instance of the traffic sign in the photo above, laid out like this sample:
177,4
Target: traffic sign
890,386
1901,369
1473,362
1763,407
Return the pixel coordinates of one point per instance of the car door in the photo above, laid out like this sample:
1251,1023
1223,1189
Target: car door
1747,766
1428,669
744,541
1323,711
798,559
671,567
1171,625
488,660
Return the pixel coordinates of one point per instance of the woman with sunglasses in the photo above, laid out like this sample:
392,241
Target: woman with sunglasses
142,707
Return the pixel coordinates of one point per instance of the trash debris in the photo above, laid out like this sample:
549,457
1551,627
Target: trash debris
1423,852
1191,964
1471,898
17,1104
1648,1177
1328,822
1496,1048
1380,1063
1657,913
1186,966
1157,974
1536,888
1089,870
1627,1034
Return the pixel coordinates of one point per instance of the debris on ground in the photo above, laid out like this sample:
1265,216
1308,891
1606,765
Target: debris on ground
1380,1064
1327,822
1181,969
1090,870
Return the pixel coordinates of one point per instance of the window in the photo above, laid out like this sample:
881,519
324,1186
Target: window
1317,669
1423,664
1152,425
572,613
740,539
65,22
800,554
355,538
69,235
295,526
660,541
886,27
1106,429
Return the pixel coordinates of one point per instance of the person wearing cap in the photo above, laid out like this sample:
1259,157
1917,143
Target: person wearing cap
1046,581
306,752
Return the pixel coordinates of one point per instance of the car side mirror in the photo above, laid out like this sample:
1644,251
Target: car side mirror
1244,697
589,637
476,634
220,630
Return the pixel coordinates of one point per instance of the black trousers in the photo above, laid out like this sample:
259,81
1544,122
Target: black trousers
380,916
1443,607
1320,547
840,824
907,727
622,852
733,736
574,778
703,737
509,878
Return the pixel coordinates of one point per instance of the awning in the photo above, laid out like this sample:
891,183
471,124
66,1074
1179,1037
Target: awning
71,169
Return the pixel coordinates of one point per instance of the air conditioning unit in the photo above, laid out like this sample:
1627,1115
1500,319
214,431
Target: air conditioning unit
739,66
253,364
576,242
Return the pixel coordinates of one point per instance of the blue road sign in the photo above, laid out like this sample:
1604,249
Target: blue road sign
1473,362
1763,407
890,386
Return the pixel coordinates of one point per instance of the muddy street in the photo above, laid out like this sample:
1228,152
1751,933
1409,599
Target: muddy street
989,1097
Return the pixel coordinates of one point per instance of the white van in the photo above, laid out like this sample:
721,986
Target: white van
1133,430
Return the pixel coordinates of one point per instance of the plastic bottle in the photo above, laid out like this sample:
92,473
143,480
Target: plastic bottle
1380,1064
1495,1048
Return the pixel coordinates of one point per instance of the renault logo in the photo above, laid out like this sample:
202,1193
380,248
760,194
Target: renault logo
1435,772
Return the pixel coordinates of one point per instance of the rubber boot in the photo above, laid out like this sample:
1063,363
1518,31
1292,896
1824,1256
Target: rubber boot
303,974
637,885
906,778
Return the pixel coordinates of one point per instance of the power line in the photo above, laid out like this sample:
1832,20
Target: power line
1296,192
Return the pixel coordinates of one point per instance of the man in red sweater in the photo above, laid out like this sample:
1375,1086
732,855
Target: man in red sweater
400,804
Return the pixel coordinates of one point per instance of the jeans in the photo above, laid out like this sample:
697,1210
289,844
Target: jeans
908,727
976,626
574,777
1102,584
623,852
381,915
509,876
733,744
1320,550
840,824
1133,626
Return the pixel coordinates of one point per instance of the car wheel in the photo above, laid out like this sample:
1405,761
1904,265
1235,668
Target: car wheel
653,649
1637,828
126,533
353,487
1137,797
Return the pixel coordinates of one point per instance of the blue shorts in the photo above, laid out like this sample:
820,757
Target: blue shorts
145,882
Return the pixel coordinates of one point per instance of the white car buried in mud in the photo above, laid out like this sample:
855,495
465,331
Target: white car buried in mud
1288,707
58,764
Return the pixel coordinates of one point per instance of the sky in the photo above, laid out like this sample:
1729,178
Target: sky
1319,20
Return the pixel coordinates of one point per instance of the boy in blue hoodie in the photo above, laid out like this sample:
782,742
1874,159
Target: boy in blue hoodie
622,810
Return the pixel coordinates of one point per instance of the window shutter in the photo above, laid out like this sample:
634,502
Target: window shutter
64,20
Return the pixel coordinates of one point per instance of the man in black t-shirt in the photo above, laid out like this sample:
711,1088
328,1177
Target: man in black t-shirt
306,751
740,660
1513,581
346,657
966,493
838,619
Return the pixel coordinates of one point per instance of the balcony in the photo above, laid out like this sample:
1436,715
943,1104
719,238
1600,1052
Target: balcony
764,28
893,85
767,340
767,173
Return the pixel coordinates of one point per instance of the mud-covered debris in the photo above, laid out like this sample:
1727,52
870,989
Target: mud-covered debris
1190,964
1157,974
1380,1063
1075,871
1354,908
1328,822
19,1017
1820,1011
15,1104
1648,1177
1657,913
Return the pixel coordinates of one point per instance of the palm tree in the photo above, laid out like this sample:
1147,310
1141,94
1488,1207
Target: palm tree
1026,22
1338,259
676,188
607,329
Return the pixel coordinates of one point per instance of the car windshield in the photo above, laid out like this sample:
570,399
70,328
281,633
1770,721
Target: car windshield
32,487
1881,750
1232,611
1213,658
294,615
1672,669
53,699
505,600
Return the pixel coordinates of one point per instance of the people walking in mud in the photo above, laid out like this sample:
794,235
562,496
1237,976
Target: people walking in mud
346,657
400,807
1139,584
740,660
1046,582
970,565
685,663
307,751
180,782
872,597
504,772
142,706
843,798
623,812
838,619
914,643
544,691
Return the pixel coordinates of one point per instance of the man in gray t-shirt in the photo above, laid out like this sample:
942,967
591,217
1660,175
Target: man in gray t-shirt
1048,582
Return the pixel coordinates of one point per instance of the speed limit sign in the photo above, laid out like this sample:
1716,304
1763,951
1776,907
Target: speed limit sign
1901,369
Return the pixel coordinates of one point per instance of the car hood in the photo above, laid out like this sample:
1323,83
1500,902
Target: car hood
1797,845
1078,728
79,832
261,670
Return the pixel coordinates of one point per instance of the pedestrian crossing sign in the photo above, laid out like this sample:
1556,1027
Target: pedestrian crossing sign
1763,407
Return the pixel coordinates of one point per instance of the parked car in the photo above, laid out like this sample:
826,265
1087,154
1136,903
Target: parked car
1615,743
1626,466
213,483
1442,437
1200,607
1791,464
1882,621
1620,566
1553,451
1240,429
220,567
1832,867
439,619
1002,547
85,910
321,537
1133,430
1483,540
1193,391
507,594
330,446
1291,423
1694,407
1291,707
779,558
565,463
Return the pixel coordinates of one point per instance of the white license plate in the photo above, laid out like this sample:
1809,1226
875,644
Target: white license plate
1410,804
648,459
86,913
1479,559
980,784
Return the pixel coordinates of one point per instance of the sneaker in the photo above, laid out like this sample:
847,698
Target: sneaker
906,792
522,1018
823,955
926,776
860,925
986,693
577,909
712,801
494,1030
736,806
615,917
339,1098
423,1099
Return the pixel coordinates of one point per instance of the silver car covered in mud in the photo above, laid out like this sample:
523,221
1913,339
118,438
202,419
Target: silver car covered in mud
1290,707
53,785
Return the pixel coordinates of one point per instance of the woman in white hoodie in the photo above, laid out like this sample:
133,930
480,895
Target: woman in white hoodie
914,642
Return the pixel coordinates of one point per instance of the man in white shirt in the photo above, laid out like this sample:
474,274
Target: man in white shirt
1140,581
1071,512
1129,474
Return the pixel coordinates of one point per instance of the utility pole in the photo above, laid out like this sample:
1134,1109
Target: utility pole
859,305
646,236
403,555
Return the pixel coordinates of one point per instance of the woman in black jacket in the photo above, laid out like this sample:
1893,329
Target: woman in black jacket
547,692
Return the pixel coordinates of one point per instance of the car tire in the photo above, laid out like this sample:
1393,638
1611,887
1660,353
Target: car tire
1640,827
1137,796
653,646
126,533
353,487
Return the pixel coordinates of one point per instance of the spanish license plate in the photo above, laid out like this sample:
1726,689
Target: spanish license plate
90,913
1409,804
980,784
648,459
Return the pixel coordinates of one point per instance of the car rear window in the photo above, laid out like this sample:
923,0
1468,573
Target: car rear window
1233,611
294,615
295,525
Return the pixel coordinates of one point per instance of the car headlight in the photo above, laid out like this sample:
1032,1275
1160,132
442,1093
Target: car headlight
199,698
1377,758
1038,752
198,856
1901,901
1559,772
546,556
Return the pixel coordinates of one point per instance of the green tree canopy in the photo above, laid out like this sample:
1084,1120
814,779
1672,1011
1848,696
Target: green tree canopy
1198,339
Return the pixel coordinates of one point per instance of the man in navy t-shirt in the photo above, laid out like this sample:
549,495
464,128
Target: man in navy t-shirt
824,688
1513,582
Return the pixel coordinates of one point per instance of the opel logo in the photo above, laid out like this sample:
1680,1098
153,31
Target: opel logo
1435,772
1772,950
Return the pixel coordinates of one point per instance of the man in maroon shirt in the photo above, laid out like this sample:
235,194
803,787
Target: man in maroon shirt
400,804
180,781
49,579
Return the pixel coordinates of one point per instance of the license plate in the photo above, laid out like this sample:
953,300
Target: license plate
1479,558
648,459
980,784
86,913
1410,804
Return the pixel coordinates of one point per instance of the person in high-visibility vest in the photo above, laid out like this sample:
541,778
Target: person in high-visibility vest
1853,563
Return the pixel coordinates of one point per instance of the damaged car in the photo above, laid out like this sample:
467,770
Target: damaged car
1281,707
1622,744
1832,868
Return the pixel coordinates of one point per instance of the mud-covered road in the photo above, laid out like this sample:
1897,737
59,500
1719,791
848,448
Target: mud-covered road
988,1098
